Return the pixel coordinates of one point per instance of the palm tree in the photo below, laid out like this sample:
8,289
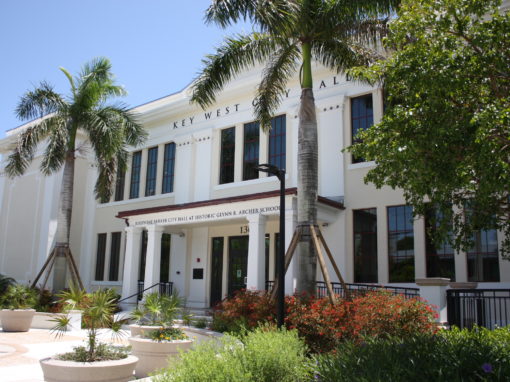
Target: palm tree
292,33
109,128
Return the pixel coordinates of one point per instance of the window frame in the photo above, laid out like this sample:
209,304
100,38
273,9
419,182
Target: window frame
136,169
167,185
151,174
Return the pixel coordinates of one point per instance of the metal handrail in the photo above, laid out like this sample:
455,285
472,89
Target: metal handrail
138,293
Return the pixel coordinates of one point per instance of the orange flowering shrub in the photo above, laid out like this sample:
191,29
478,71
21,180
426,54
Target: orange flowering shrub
245,310
322,325
381,314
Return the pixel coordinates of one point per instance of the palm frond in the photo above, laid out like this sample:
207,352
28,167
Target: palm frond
56,148
26,145
39,102
273,16
341,55
236,54
61,324
276,74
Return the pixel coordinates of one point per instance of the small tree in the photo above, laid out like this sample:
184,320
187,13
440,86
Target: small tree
445,135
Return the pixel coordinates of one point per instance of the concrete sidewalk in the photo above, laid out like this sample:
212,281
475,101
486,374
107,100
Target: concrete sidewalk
20,352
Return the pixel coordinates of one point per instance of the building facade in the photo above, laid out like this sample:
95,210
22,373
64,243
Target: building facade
191,209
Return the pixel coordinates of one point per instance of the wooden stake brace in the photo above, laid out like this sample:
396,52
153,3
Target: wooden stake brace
317,239
50,262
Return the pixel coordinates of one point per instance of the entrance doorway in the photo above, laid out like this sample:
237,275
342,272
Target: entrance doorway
237,263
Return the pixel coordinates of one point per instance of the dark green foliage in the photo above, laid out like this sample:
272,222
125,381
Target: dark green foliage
264,355
448,356
200,323
446,127
5,282
19,296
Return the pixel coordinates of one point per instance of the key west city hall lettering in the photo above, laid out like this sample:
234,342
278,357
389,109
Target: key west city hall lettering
207,115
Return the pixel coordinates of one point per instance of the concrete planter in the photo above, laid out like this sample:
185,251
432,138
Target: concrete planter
155,355
17,320
142,330
102,371
44,320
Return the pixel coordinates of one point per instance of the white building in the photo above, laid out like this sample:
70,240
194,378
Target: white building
190,210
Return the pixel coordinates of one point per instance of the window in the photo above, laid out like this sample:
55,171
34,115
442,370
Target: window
113,274
168,168
277,142
365,245
136,165
440,257
152,168
119,184
143,255
362,117
482,259
228,144
100,256
164,268
251,150
401,244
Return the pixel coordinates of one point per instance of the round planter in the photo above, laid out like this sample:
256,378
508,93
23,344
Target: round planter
17,320
121,370
141,330
155,355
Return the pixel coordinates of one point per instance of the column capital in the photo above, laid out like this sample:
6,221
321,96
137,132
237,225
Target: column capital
155,228
133,230
256,219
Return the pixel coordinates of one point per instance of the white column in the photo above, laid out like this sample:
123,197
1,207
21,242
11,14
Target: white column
290,226
153,258
131,262
256,253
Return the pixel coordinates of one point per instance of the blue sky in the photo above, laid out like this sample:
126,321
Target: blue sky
155,46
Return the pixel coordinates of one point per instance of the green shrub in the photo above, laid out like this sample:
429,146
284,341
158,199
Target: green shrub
19,296
201,323
264,355
456,355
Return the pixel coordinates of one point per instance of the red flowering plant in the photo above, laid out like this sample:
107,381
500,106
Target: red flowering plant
382,314
321,324
245,310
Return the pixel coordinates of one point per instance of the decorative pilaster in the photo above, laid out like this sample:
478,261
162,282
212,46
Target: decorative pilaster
153,259
290,227
131,262
256,253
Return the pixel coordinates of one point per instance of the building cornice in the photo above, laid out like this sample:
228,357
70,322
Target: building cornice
227,200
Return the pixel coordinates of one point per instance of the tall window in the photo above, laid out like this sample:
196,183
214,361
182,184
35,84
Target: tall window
365,245
168,168
100,256
113,273
152,168
401,244
136,166
277,142
362,117
227,162
440,256
119,185
251,150
482,259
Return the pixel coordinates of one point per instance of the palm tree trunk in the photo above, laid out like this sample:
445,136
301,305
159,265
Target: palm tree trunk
307,180
64,222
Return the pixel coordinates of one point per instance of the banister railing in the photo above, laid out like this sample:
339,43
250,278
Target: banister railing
165,288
